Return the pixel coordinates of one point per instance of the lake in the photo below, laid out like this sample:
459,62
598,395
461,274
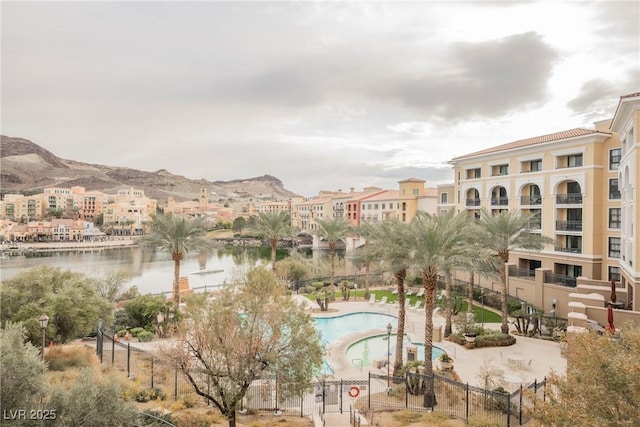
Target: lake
151,271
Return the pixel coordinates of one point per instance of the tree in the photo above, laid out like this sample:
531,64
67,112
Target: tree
503,232
178,236
432,242
68,298
362,255
245,335
21,370
143,311
273,226
291,269
239,223
109,285
389,242
601,386
332,230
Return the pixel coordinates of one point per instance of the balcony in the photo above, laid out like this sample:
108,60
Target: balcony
558,279
572,225
472,202
569,250
522,273
535,225
499,201
530,200
569,199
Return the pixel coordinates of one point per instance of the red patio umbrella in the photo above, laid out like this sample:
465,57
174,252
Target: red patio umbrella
610,326
613,290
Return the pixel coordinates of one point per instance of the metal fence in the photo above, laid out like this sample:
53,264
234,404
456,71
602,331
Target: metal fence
375,392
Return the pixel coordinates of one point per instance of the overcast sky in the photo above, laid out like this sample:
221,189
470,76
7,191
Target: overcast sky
324,96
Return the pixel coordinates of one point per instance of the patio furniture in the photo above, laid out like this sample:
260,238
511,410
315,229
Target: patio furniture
383,300
515,360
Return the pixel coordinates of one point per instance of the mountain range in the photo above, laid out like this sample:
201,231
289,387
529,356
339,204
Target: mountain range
28,168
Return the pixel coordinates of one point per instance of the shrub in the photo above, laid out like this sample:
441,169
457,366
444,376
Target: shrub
121,332
149,394
317,285
157,418
497,339
136,331
145,336
63,357
188,419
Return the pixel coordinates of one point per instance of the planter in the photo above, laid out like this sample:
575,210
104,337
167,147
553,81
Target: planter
470,338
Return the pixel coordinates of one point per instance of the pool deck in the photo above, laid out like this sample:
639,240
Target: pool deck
544,356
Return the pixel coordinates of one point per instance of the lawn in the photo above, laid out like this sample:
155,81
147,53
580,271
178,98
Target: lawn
484,315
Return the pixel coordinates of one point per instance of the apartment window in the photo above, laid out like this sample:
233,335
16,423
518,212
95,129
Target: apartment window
614,158
615,219
574,160
500,170
614,192
614,273
444,198
535,165
416,192
614,247
384,206
473,173
375,206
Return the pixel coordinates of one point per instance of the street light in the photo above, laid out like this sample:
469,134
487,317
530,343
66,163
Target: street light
482,312
388,352
44,319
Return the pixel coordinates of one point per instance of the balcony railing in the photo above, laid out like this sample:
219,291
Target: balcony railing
523,273
569,199
530,200
499,201
570,250
535,225
558,279
571,225
473,202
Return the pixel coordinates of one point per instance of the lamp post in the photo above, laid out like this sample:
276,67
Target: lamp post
388,352
482,300
553,311
43,319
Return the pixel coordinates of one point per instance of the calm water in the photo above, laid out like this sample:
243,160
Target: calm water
373,348
151,271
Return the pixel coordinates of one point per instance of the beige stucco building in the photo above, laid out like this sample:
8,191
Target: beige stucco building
580,184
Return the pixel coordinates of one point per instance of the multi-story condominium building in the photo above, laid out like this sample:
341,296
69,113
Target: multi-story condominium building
402,204
445,198
17,207
626,124
580,186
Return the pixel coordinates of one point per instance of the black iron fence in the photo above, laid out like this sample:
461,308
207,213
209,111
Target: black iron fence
375,392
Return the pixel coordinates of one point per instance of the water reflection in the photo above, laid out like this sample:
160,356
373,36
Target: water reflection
149,270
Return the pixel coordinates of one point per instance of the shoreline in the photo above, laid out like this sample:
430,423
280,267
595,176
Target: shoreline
57,246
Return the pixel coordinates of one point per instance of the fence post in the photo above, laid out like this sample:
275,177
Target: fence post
324,395
151,371
369,388
406,390
99,344
175,383
128,360
520,420
113,346
508,397
544,390
466,410
341,395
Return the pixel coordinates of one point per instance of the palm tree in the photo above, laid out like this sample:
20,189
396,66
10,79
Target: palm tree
502,233
432,242
177,235
363,254
390,244
332,230
274,226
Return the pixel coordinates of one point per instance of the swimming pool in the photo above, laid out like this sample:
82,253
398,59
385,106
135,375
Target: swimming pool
333,328
375,348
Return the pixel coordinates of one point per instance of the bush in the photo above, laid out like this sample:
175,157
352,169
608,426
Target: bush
121,332
145,336
317,285
63,357
136,331
157,418
149,394
497,339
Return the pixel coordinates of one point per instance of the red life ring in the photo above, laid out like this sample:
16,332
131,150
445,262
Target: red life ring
354,391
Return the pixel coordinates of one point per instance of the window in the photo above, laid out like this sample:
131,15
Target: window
500,170
574,160
614,158
614,247
535,165
614,218
416,192
444,197
384,206
614,192
614,273
473,173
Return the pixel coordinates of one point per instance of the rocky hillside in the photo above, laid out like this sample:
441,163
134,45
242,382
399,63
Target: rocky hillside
25,166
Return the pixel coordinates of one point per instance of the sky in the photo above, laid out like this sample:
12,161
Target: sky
322,95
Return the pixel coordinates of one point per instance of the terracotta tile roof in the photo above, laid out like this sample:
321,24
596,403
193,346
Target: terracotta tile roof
566,134
631,95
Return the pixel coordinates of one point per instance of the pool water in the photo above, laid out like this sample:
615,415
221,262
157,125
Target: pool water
333,328
375,348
